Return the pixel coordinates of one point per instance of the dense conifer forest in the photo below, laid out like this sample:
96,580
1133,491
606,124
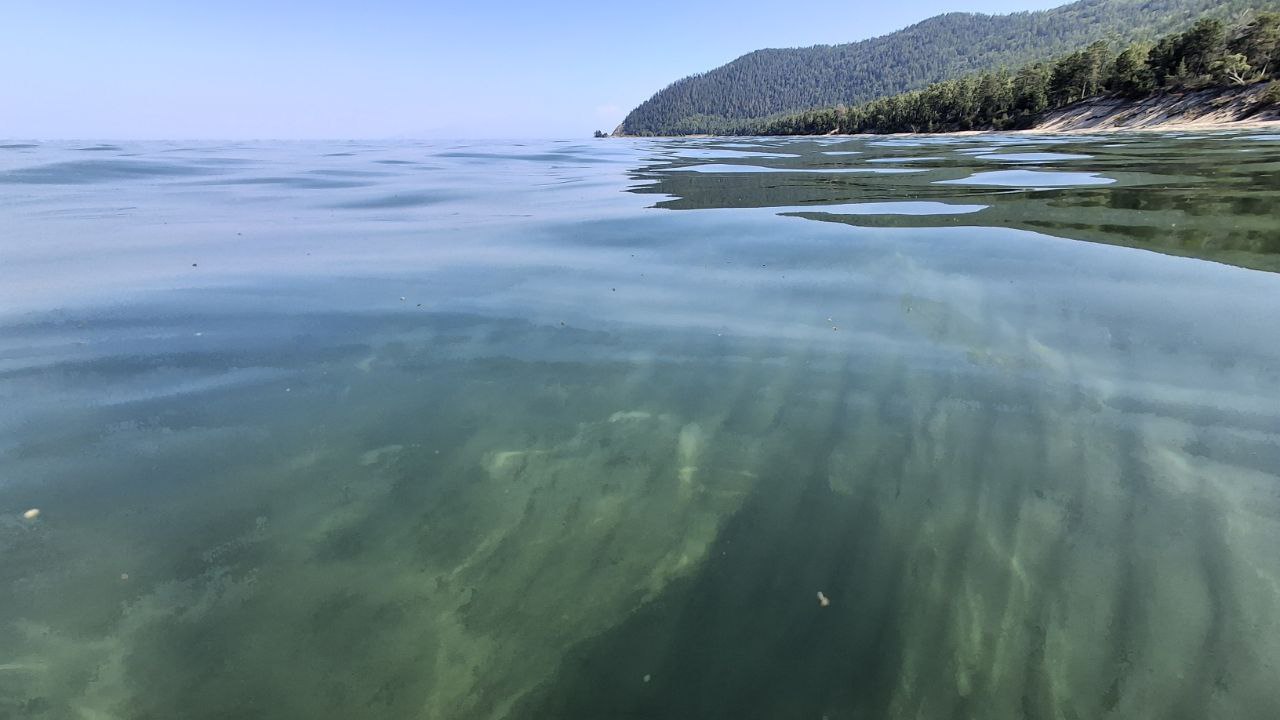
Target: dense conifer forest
1210,53
775,82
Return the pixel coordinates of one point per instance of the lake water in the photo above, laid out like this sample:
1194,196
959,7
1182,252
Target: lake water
582,429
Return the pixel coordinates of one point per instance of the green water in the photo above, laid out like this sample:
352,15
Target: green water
582,429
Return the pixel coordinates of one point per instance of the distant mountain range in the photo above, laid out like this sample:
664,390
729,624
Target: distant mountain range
776,81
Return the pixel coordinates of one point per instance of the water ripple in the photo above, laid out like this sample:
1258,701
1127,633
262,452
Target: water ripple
78,172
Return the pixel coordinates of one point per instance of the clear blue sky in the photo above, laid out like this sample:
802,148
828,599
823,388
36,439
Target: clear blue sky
387,69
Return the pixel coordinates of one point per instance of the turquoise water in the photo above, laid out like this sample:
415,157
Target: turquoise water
582,429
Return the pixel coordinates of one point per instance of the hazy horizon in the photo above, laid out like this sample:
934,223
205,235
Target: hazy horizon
388,70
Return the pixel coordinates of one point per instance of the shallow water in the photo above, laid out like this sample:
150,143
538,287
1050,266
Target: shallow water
564,430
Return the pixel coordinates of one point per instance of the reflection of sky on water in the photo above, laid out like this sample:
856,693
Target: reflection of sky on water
724,168
1029,179
906,207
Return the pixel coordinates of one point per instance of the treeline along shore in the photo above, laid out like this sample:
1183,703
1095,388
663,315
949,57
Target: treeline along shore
1214,72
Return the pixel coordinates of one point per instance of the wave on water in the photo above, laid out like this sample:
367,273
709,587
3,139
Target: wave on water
82,172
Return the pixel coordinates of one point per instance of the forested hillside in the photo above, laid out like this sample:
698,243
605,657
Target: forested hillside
1208,54
776,81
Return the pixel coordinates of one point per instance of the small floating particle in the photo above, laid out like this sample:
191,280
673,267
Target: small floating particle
31,514
401,298
647,677
288,389
124,576
833,327
823,600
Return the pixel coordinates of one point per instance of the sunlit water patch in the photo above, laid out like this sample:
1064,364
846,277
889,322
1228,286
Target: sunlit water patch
566,430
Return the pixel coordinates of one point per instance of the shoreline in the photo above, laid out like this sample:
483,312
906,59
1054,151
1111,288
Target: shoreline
1210,110
1173,126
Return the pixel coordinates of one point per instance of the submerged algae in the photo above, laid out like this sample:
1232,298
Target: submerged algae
604,468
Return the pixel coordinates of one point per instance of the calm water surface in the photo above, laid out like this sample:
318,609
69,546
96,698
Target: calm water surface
581,429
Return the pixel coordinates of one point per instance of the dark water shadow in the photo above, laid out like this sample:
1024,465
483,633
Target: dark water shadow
746,637
295,183
398,200
81,172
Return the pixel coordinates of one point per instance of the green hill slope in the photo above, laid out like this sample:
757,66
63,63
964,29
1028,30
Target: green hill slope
773,81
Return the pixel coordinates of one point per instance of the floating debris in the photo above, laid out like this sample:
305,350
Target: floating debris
823,600
647,677
31,514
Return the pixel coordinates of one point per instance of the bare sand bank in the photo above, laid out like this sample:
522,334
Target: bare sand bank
1211,109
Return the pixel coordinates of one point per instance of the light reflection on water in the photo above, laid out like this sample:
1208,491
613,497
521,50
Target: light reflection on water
486,430
1030,179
